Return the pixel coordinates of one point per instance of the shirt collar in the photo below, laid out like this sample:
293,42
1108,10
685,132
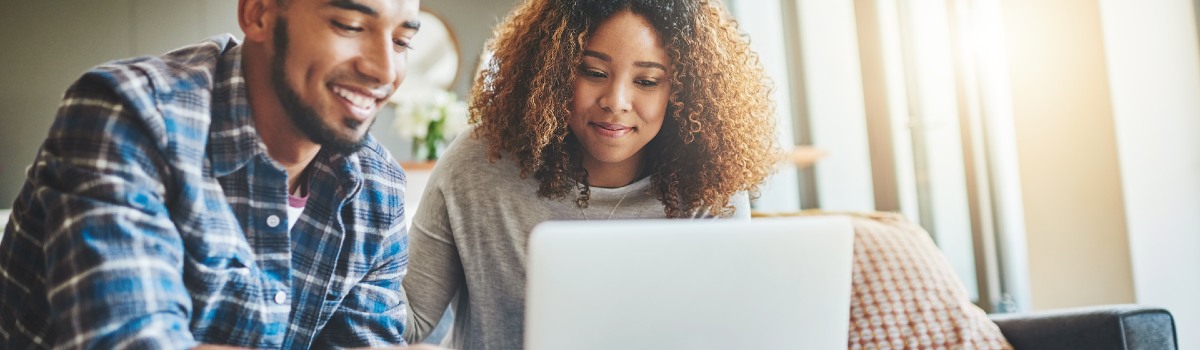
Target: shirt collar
233,140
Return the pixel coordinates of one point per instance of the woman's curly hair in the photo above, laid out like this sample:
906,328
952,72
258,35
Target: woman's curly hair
718,137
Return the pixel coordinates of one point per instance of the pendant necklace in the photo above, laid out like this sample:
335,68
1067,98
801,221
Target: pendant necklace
610,213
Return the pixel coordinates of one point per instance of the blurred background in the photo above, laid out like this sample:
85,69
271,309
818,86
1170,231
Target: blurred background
1051,147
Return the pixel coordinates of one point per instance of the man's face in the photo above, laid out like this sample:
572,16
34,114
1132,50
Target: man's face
346,59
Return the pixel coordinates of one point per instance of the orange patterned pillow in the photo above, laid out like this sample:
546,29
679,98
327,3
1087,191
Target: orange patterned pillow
905,295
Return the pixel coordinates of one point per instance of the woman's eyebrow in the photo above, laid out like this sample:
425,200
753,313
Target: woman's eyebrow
640,64
650,64
602,56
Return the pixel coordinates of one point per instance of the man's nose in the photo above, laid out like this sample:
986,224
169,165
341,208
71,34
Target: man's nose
378,61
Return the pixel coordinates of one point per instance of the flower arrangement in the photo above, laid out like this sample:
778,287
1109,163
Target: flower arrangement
431,121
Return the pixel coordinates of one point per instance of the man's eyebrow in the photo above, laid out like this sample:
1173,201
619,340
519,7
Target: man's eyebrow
354,6
411,24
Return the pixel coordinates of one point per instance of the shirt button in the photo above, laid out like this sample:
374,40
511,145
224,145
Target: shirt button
273,220
280,297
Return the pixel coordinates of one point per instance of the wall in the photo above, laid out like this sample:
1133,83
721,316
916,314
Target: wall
1154,65
472,23
1078,251
832,83
781,191
48,44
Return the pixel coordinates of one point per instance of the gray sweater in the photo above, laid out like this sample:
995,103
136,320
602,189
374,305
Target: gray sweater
468,238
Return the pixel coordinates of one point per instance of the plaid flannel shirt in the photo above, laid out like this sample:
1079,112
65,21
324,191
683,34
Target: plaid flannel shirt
153,218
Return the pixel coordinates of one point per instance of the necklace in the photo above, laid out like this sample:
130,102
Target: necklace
610,213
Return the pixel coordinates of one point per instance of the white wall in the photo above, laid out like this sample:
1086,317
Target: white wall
781,192
1154,69
834,94
1074,211
48,44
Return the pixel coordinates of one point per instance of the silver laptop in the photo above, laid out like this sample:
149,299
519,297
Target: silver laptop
672,284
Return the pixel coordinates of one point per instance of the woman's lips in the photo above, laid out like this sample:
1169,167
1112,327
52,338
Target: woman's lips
610,129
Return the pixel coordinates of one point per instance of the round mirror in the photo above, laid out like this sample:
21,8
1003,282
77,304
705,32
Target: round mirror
435,58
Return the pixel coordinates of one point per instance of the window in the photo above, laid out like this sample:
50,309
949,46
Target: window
909,97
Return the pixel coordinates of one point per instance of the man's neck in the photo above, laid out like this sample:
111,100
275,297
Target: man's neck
285,143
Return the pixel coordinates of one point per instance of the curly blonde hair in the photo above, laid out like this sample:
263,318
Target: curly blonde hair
719,134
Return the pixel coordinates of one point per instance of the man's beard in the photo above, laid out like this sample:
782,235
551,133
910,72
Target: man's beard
302,115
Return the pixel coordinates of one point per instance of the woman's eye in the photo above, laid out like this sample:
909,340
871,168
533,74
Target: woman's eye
347,28
646,82
593,73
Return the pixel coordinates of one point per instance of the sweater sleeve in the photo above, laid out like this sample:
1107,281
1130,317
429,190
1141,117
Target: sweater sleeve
435,270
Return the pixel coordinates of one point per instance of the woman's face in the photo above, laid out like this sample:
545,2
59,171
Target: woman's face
620,92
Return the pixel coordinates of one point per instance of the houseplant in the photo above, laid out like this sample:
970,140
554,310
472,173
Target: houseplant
431,121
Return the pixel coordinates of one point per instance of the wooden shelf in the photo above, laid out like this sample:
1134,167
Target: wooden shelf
418,165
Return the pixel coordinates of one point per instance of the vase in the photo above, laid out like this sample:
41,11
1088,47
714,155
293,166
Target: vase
427,149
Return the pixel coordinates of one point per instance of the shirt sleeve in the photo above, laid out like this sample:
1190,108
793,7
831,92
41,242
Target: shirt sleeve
373,313
113,256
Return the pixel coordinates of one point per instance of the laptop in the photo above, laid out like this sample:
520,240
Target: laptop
779,283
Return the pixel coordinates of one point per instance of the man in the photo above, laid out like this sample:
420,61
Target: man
223,193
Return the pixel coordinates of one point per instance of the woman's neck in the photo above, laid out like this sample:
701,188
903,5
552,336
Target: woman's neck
613,175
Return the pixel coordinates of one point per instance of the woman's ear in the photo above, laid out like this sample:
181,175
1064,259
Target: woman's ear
256,18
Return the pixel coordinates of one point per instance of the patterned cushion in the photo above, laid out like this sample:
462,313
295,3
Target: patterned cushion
905,293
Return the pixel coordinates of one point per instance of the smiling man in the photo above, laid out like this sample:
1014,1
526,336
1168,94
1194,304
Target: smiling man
222,194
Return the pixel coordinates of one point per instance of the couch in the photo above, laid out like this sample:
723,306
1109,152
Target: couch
1109,327
898,257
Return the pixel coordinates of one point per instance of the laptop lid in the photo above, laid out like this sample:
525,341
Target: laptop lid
672,284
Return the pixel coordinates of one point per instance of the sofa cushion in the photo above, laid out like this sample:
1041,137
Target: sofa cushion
905,294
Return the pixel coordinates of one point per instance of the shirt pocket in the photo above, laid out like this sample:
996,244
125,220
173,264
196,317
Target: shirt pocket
219,267
227,290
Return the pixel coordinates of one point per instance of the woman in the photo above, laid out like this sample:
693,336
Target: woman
589,110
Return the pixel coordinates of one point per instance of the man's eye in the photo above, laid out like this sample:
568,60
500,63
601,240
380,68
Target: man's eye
347,28
402,45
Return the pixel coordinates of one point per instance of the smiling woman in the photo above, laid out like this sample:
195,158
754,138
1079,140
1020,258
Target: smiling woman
588,110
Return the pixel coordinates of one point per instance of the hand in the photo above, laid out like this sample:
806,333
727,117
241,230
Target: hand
411,347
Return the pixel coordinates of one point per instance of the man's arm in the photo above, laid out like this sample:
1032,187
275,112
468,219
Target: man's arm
373,313
113,256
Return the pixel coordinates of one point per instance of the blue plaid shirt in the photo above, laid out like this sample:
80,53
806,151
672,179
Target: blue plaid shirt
152,217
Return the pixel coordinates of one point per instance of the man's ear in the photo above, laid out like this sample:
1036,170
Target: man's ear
256,17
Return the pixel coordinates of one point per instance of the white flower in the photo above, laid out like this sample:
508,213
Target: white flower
456,119
415,112
411,121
